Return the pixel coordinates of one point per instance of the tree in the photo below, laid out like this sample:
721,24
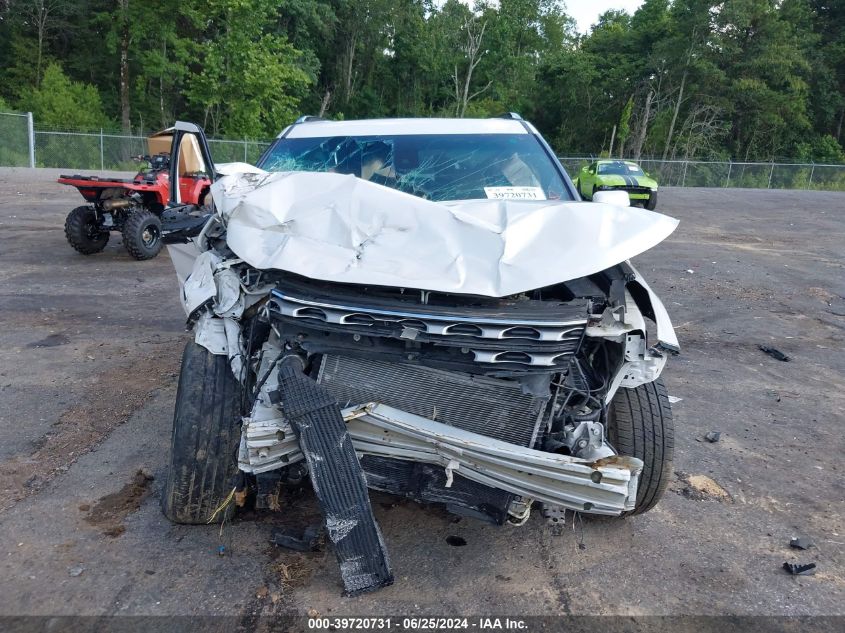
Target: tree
62,103
251,82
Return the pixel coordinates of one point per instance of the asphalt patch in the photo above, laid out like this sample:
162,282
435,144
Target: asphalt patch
53,340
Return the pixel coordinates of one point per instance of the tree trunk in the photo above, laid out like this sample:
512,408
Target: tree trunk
612,139
675,115
643,131
125,112
324,103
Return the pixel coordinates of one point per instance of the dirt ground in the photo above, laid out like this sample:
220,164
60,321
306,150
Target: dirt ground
89,354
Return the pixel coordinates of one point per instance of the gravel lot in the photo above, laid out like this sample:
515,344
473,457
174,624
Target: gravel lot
89,354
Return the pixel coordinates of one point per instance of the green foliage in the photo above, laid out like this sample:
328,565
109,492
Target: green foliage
741,79
251,83
62,103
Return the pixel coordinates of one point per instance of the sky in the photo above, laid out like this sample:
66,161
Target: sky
587,12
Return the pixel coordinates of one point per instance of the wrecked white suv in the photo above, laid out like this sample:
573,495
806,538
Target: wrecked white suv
426,308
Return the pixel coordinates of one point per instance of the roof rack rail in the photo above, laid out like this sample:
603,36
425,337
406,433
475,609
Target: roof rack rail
509,115
307,118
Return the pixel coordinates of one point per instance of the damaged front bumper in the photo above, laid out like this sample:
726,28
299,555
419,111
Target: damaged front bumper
605,486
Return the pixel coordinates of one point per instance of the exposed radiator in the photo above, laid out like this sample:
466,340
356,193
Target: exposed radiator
487,406
492,407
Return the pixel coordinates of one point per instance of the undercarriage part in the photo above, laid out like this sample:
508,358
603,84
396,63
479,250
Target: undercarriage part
606,486
426,483
309,541
337,478
587,441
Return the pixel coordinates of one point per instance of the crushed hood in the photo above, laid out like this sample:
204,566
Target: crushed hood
340,228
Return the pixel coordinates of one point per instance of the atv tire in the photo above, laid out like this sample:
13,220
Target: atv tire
206,435
142,234
652,201
84,232
640,425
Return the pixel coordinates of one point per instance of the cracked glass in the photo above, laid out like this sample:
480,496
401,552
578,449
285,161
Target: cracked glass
434,167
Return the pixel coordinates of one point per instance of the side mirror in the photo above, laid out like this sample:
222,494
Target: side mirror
616,198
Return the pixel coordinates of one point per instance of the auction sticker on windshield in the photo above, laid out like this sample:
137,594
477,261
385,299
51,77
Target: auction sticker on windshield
515,193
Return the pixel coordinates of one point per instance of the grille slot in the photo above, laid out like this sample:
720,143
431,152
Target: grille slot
529,333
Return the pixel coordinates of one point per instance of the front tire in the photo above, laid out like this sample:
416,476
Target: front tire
83,231
651,205
206,435
640,425
142,234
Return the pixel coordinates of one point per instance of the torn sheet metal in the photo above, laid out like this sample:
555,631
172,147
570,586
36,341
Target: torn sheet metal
370,234
337,478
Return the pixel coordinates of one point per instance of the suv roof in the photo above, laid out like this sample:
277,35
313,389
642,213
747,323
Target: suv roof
312,127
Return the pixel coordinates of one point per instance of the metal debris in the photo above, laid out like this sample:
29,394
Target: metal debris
800,570
774,353
309,541
712,436
801,542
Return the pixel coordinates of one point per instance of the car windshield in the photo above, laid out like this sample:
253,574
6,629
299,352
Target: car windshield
437,167
620,168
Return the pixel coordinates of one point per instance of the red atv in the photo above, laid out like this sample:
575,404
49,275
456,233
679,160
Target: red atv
144,209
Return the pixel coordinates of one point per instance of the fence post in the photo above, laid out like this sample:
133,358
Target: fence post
102,160
771,173
245,148
30,130
728,181
810,181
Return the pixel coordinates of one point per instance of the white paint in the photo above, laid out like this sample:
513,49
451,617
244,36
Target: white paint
340,228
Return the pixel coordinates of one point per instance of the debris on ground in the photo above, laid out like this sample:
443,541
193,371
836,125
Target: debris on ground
308,541
712,436
75,571
800,570
774,353
456,541
701,487
293,572
800,542
110,511
674,399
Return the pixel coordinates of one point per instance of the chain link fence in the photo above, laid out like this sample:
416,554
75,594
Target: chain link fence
702,173
103,150
16,140
23,146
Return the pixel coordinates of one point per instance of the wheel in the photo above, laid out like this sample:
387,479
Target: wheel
652,201
593,192
639,424
206,435
142,234
83,231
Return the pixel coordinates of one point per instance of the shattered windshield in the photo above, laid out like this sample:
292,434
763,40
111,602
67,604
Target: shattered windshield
436,167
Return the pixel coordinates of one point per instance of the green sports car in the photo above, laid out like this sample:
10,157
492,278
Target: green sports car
622,175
